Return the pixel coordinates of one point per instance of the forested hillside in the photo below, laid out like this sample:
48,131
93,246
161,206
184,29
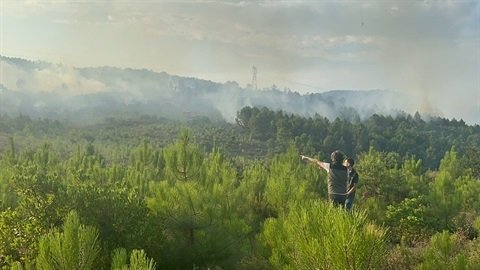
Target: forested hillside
83,95
150,193
259,133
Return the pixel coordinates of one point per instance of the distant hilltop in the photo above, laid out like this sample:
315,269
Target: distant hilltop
56,91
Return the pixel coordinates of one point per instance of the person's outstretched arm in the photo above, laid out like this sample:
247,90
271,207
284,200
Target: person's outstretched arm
308,158
319,163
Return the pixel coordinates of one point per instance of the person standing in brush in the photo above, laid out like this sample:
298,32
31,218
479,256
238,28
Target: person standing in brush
337,177
352,182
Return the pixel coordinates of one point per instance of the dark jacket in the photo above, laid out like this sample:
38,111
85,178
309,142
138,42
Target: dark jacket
352,180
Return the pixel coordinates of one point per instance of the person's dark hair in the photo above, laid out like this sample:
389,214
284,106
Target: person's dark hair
337,156
350,161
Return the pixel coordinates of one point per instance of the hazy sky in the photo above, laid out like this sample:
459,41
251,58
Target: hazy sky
430,49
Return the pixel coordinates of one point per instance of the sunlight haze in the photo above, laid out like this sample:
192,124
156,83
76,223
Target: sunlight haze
428,49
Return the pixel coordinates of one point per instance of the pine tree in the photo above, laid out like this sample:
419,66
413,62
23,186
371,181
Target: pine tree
119,259
444,252
183,160
75,247
138,260
445,201
289,181
315,235
198,215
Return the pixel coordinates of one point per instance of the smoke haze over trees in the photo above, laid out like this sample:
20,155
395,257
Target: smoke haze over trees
83,94
133,134
135,190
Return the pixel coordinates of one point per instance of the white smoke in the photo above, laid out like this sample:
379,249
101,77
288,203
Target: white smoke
56,88
52,79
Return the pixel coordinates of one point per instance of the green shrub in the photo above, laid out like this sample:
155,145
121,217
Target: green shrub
444,253
76,247
315,235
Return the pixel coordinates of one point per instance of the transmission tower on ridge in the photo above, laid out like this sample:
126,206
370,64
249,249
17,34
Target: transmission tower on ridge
254,77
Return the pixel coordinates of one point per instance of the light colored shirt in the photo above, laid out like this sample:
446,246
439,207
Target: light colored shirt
325,165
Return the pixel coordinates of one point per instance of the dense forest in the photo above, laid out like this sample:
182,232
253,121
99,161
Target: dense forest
143,192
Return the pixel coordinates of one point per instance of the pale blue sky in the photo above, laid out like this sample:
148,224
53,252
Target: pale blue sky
430,49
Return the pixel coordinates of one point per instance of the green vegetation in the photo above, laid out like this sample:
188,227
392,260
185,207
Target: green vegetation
145,193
